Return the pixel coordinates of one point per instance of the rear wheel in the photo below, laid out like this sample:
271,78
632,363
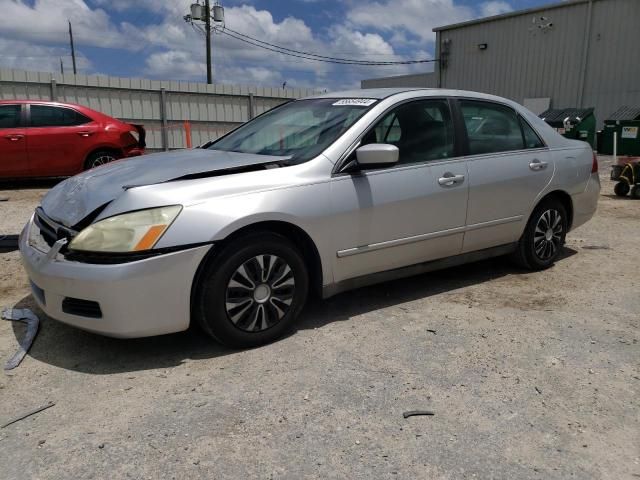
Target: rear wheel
621,189
544,236
101,157
253,291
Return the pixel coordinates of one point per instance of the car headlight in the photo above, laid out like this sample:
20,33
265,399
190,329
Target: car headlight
129,232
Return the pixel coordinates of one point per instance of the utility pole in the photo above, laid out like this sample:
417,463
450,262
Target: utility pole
61,67
73,50
203,13
207,29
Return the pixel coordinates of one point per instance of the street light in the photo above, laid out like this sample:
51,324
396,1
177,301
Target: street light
202,14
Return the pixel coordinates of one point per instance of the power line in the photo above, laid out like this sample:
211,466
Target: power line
313,56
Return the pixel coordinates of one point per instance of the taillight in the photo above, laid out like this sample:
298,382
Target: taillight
594,165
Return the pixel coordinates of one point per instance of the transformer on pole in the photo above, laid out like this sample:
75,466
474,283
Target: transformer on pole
200,13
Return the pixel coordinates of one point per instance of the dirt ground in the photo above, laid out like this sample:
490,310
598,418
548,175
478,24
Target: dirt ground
530,376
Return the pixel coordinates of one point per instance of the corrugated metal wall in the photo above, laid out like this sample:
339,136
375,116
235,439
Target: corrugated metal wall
211,110
417,80
523,61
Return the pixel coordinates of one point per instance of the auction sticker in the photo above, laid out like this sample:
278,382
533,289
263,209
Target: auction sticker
355,102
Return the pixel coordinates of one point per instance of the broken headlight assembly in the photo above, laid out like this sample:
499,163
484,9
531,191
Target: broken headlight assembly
128,232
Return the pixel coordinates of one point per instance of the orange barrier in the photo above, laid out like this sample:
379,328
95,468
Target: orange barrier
187,132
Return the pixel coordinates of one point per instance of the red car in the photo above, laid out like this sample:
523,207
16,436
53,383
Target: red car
51,139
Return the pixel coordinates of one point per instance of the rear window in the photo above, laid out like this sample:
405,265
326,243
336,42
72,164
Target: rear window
10,116
491,127
48,116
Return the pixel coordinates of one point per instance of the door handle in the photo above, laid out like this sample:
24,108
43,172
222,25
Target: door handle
449,179
85,134
537,165
14,137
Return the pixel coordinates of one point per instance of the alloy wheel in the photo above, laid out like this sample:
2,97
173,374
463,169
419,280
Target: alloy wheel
102,160
547,237
259,293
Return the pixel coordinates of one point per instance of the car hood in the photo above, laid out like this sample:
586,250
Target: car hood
74,199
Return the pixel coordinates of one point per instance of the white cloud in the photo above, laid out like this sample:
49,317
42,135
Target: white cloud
489,9
171,49
27,56
418,17
46,22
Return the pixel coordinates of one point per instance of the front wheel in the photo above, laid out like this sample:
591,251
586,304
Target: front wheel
253,290
544,236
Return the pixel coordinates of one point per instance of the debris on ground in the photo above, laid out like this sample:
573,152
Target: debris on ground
4,199
27,316
413,413
431,330
596,247
8,243
28,414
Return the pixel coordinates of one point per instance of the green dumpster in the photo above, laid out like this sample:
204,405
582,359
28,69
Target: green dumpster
575,123
626,123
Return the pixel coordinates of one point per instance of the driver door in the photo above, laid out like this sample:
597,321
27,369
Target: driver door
409,213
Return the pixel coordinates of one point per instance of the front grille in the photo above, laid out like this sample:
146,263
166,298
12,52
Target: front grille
51,230
81,308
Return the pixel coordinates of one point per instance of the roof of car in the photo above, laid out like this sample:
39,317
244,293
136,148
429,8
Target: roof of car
377,93
41,102
382,93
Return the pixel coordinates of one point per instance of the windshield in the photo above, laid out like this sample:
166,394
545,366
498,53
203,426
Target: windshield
299,130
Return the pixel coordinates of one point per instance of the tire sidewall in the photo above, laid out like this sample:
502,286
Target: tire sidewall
621,189
528,238
213,285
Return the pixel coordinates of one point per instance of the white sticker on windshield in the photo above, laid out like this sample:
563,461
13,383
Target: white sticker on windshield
356,102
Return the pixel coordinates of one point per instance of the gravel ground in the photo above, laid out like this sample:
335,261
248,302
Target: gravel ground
530,376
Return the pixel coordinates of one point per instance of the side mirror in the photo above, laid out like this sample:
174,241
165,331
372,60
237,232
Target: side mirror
377,155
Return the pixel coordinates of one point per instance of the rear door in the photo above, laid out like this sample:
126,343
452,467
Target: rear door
13,145
58,140
509,166
411,212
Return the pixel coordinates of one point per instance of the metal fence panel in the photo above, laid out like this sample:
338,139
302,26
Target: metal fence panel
210,110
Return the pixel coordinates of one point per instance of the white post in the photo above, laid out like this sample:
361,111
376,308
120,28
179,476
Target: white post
615,148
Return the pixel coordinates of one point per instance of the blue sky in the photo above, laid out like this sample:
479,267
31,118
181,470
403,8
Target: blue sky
148,38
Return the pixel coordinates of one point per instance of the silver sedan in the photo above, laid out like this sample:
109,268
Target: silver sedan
317,196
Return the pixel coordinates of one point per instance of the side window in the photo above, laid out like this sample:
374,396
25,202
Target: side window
531,138
47,116
388,130
422,131
491,127
10,116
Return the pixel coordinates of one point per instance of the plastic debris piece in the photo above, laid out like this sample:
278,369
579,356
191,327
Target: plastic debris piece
31,319
8,243
28,414
413,413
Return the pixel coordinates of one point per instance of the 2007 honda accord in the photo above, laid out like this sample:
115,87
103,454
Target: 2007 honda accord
319,195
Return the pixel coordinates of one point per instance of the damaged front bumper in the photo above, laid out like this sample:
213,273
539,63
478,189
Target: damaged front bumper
126,300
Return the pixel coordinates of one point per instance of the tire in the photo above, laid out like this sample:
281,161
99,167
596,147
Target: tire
635,192
101,157
621,189
542,242
253,290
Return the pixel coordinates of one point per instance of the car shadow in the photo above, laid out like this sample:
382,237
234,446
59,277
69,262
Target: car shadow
70,348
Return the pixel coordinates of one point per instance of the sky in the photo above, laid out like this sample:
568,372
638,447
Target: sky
150,39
